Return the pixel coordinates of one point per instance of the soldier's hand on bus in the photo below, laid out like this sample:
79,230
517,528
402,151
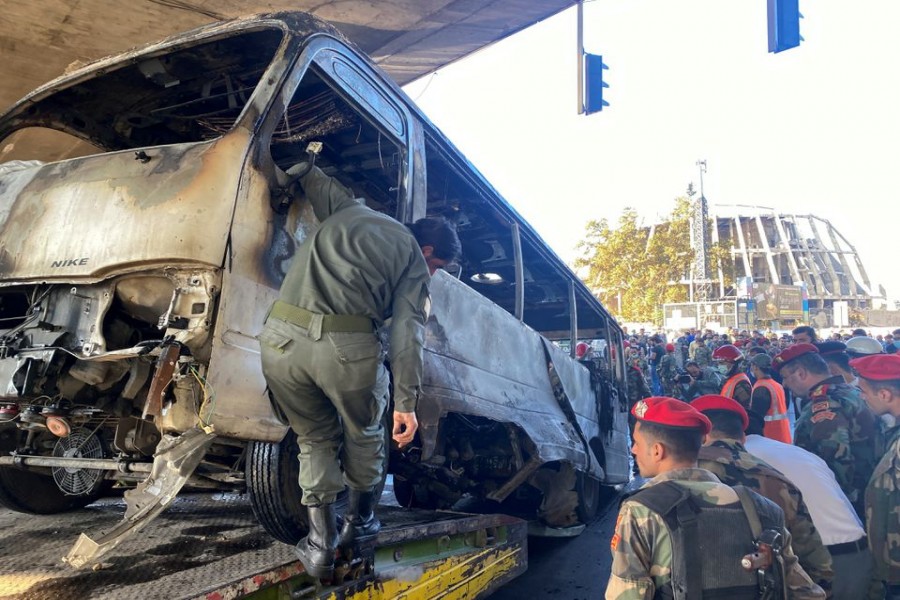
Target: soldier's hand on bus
405,426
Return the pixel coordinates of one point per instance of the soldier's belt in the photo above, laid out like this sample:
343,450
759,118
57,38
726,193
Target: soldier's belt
330,323
849,547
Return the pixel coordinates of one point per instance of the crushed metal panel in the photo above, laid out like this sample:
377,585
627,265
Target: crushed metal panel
469,370
195,180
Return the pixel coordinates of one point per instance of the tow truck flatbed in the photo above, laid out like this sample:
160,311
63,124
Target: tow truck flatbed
211,546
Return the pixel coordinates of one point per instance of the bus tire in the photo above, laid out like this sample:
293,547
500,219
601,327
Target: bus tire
272,473
588,490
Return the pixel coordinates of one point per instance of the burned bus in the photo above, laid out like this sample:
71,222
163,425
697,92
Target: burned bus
144,235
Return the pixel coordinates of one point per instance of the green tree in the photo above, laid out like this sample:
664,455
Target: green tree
635,269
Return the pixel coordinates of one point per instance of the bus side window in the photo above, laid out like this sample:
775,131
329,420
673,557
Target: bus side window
354,151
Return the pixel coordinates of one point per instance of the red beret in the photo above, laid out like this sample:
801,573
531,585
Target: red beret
879,367
671,413
716,402
792,352
670,347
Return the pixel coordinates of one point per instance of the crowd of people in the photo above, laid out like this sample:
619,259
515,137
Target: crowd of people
789,442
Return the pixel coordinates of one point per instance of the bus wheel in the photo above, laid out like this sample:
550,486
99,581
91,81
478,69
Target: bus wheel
272,474
588,490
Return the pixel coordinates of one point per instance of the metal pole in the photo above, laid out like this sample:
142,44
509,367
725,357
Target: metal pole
106,464
580,60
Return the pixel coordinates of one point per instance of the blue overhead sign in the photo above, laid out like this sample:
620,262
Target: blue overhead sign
784,24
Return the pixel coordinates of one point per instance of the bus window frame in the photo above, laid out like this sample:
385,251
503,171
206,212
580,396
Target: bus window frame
410,180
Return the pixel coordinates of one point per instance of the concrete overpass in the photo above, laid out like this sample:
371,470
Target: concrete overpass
408,38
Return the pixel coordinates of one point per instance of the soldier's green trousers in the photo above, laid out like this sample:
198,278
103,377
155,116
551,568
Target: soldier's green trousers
332,388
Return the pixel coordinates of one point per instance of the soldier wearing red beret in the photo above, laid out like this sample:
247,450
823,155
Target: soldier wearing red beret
834,422
653,553
723,453
879,381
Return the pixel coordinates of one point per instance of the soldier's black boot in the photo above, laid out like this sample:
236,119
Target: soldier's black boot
359,520
316,550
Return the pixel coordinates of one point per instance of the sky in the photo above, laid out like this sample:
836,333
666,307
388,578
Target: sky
811,130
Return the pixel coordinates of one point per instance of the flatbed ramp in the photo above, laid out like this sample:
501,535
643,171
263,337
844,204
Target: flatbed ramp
211,547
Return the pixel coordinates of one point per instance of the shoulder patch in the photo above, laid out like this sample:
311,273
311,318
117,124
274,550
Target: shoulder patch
823,416
614,542
819,392
820,406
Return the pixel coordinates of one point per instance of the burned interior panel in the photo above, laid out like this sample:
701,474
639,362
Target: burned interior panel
186,94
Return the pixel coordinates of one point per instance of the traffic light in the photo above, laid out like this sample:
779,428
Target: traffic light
594,67
784,24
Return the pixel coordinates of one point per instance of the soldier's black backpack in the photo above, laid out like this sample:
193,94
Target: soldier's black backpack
709,541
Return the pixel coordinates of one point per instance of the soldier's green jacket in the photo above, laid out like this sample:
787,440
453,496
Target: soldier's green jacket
667,371
361,262
733,465
703,355
836,425
642,544
709,383
883,512
637,385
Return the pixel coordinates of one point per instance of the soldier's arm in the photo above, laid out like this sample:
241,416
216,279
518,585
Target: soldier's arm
798,582
830,435
632,555
882,500
408,332
760,401
324,193
742,392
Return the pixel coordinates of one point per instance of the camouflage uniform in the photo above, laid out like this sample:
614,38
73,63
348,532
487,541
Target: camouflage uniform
637,385
703,355
642,545
837,426
709,383
883,515
730,462
667,373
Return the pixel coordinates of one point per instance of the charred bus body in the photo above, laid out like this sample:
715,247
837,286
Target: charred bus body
145,237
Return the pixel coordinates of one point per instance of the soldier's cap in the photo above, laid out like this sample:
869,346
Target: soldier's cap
692,362
831,347
669,412
878,367
670,347
761,360
716,402
790,353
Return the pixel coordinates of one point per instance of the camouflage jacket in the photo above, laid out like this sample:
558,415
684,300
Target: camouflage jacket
710,382
883,512
642,546
731,463
637,385
666,369
703,355
836,425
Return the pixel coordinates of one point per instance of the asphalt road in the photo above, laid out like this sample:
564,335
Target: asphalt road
569,568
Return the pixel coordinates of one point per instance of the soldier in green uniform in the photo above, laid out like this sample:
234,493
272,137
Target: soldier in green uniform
323,361
724,454
667,371
703,381
702,354
667,540
834,422
879,380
